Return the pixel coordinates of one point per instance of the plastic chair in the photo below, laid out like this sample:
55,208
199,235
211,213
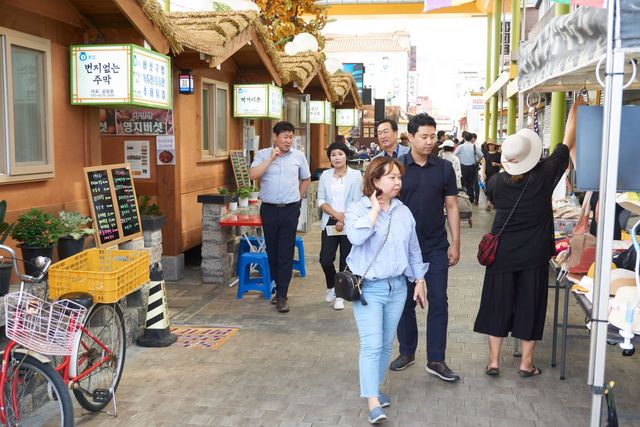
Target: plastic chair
299,264
247,283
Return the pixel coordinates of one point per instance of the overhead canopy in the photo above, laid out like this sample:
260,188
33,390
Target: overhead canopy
565,53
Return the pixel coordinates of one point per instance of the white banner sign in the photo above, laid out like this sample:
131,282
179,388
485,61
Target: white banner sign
151,78
346,117
120,74
257,100
316,112
100,74
275,102
327,112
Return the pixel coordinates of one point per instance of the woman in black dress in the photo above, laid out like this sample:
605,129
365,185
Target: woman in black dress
514,294
491,163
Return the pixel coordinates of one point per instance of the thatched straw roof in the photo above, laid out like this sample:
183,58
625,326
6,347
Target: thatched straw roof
210,32
300,68
342,84
160,19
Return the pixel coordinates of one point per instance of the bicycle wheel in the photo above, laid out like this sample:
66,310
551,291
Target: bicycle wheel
104,324
35,394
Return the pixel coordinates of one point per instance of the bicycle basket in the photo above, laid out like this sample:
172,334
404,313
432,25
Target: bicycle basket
42,326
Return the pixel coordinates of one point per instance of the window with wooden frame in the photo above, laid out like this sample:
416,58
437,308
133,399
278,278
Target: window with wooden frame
26,129
215,119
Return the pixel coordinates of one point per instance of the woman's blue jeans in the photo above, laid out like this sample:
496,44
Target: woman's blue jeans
377,323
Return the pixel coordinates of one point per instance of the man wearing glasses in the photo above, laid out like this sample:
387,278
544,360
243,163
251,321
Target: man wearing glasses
387,132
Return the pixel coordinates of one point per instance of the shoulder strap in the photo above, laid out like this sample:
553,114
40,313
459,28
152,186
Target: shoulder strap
386,236
516,205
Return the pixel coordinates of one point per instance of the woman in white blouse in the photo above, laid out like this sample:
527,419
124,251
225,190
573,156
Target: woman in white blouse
338,188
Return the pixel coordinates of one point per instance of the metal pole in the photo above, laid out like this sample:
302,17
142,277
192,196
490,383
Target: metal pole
558,100
488,77
611,120
495,66
522,35
515,41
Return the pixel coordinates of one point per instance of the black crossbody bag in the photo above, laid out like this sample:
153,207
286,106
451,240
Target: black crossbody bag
348,285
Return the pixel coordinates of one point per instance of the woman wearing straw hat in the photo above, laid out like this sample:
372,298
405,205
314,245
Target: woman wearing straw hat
514,294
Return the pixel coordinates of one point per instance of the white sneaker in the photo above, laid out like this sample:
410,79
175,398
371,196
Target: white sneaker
339,304
331,295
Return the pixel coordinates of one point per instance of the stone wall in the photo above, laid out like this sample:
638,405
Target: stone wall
218,246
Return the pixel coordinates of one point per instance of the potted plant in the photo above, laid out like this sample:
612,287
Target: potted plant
255,193
152,218
38,233
5,265
74,231
243,194
233,202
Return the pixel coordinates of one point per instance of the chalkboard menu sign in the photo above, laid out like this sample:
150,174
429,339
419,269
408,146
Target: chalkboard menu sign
113,204
240,168
104,213
126,199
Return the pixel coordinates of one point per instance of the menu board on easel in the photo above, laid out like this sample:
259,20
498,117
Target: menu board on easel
240,168
114,208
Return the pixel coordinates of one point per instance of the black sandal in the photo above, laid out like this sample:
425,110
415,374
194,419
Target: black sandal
532,373
492,372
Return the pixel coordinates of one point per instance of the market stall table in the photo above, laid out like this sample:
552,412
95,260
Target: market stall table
250,226
565,282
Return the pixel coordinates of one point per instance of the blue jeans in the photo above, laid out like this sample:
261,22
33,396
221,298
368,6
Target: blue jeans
377,323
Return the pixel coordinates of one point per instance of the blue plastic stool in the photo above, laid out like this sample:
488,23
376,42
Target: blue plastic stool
246,282
299,264
244,246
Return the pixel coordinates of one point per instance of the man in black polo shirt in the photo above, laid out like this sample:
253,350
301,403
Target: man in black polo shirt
428,184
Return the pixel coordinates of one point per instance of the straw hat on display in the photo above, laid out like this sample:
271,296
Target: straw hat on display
630,202
626,297
521,152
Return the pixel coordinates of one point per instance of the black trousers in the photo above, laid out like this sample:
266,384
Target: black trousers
437,311
470,180
279,225
328,249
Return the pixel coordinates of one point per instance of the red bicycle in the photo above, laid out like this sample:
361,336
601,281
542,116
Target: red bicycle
87,342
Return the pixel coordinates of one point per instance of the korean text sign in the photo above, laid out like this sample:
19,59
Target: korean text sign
120,74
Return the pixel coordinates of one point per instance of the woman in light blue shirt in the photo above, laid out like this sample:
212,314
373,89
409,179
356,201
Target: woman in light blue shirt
385,282
338,188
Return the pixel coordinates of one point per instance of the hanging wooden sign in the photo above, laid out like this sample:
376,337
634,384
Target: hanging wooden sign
240,168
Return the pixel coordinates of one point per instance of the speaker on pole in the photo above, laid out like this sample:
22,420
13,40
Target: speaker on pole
379,109
366,96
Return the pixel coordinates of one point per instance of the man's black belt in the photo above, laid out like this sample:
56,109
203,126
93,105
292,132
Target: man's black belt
281,205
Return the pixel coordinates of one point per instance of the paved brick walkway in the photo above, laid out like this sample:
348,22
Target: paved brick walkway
300,369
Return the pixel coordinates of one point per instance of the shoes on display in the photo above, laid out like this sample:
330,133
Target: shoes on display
442,371
402,362
339,304
331,295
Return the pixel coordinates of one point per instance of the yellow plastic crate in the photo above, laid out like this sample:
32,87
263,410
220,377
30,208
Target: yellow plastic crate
108,275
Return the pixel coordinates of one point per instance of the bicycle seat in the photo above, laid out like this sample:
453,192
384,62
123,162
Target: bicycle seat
82,298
